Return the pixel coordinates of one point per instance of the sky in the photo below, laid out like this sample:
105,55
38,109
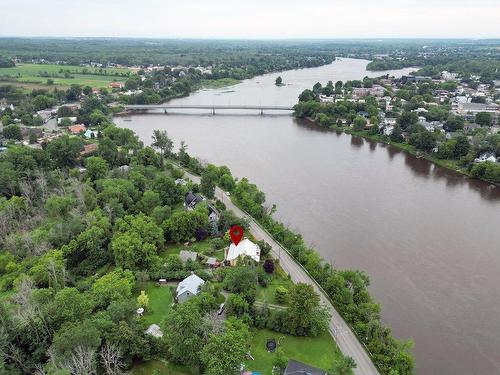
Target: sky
252,19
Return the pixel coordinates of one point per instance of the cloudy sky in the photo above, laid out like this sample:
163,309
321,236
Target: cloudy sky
252,18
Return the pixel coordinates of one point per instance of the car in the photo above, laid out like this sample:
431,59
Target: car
221,309
228,193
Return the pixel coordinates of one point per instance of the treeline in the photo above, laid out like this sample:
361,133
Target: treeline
256,57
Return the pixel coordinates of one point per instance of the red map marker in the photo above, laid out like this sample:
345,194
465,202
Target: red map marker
236,233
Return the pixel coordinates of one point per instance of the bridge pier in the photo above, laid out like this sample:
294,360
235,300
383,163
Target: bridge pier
166,112
213,111
262,111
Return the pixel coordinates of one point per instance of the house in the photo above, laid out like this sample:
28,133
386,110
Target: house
244,248
189,287
363,114
91,133
88,149
296,367
186,255
213,215
191,200
388,129
116,85
487,156
77,129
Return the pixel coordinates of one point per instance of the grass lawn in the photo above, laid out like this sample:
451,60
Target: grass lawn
266,294
318,351
161,367
160,301
33,74
201,247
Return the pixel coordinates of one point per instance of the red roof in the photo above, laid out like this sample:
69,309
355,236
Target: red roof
77,128
116,85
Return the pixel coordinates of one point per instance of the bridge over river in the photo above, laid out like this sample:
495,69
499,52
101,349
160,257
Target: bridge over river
166,107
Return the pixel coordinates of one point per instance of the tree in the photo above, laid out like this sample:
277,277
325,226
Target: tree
397,134
423,140
162,142
223,354
74,92
343,366
307,96
12,132
483,118
454,123
280,361
281,294
407,119
305,315
359,123
279,81
268,266
143,299
182,225
64,151
236,305
114,286
97,167
183,333
111,360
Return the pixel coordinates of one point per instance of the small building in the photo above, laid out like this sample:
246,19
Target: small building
245,248
181,182
60,119
77,129
295,367
487,156
191,200
212,262
154,330
89,149
189,287
186,255
116,85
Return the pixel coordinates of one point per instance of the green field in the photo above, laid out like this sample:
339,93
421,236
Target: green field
160,301
38,74
318,351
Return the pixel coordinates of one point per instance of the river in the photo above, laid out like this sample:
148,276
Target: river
428,238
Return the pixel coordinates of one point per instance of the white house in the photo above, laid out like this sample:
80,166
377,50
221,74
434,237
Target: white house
244,248
189,287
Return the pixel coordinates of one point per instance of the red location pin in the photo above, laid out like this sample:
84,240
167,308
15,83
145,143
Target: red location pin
236,233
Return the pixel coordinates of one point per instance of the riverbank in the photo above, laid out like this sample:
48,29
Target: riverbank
452,165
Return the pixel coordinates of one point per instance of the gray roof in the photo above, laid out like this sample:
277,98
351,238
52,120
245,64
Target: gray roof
299,368
211,261
190,284
185,255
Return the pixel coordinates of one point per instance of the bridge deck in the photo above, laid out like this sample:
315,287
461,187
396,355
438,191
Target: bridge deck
210,107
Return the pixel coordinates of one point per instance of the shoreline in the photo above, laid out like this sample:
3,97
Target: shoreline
405,147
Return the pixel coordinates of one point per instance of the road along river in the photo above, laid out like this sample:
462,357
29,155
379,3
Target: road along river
428,238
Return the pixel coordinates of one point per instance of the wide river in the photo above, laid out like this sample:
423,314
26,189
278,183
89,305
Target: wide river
428,238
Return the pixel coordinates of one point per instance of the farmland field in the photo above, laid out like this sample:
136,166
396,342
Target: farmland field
63,75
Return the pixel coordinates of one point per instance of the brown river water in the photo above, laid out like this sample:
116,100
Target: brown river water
428,237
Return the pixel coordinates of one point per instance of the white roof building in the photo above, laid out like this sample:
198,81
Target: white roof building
245,247
189,287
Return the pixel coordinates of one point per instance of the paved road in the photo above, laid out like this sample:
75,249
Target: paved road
340,331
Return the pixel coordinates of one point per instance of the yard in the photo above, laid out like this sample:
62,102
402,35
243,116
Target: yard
267,294
160,301
318,351
201,247
38,74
